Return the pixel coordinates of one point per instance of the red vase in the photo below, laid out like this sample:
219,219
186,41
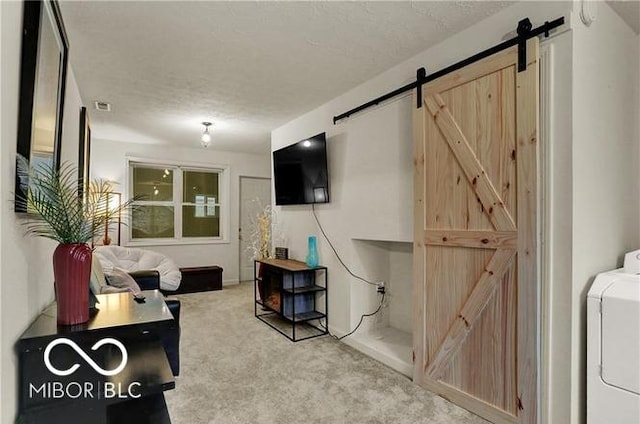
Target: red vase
72,270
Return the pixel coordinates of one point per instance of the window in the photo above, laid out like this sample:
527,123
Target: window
200,193
154,215
178,204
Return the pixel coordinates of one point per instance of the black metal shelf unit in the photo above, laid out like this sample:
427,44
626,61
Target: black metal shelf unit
289,298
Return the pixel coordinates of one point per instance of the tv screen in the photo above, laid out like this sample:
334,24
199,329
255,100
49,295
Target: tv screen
300,172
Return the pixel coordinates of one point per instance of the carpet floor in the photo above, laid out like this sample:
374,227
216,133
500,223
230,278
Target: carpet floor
236,369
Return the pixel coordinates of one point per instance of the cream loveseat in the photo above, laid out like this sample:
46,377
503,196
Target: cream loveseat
132,259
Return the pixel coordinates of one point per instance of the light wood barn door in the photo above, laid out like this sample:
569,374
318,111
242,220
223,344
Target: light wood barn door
475,251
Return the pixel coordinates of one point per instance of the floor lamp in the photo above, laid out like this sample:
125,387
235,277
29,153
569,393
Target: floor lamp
113,200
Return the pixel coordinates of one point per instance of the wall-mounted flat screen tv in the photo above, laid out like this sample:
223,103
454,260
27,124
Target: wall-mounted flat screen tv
300,172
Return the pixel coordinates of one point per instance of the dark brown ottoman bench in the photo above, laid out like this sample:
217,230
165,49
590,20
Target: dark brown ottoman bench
200,278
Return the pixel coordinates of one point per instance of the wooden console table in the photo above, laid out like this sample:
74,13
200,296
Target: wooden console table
290,298
134,395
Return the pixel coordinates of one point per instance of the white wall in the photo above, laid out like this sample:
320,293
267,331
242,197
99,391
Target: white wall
108,161
400,283
370,167
392,263
606,212
26,271
370,155
372,256
3,211
556,196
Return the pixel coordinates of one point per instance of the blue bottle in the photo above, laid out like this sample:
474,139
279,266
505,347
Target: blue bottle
312,255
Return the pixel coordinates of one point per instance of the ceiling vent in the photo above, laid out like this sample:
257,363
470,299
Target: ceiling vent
102,106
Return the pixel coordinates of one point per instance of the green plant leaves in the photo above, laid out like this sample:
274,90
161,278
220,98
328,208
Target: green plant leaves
54,209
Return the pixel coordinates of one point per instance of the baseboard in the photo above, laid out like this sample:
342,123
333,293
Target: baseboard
359,344
230,282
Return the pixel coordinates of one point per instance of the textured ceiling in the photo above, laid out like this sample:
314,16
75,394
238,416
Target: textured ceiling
629,11
246,66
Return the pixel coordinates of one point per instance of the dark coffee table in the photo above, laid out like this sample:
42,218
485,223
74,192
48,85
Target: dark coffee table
133,395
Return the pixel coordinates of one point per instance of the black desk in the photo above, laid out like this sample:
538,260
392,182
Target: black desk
133,395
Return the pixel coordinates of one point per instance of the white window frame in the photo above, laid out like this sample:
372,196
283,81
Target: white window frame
178,167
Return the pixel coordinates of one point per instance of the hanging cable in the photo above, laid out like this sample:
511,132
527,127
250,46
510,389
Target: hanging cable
362,317
313,209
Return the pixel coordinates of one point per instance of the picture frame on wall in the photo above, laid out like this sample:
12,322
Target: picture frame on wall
84,153
43,73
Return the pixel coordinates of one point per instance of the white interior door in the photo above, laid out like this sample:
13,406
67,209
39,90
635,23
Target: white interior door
255,193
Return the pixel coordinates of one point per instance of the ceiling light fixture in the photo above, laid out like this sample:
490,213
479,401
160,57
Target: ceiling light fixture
205,140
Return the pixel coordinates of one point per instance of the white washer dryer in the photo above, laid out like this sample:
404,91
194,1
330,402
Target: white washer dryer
613,345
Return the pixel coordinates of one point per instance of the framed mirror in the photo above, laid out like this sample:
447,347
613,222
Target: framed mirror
84,153
43,72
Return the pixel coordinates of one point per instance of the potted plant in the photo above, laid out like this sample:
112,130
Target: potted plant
55,211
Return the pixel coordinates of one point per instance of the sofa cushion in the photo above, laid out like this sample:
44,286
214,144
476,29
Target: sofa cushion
97,280
131,259
119,278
